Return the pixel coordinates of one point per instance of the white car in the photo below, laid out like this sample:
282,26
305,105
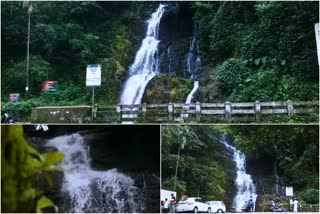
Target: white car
217,206
193,204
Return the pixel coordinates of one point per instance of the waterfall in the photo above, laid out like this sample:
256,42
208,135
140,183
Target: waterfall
245,186
146,62
190,95
91,190
193,64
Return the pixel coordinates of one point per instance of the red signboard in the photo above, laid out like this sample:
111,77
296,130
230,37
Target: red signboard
50,86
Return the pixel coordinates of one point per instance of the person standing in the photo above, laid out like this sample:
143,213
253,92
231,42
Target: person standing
295,205
166,206
291,204
172,203
251,204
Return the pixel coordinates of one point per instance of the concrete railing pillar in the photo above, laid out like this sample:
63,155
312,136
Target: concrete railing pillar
119,113
290,108
170,111
144,110
227,111
257,111
198,110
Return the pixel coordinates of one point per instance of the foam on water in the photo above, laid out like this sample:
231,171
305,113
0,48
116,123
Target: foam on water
91,190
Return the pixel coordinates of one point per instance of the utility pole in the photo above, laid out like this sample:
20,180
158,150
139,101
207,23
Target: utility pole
317,31
181,146
176,173
29,10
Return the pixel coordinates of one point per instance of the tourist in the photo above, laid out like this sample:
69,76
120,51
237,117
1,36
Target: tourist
166,206
251,204
172,203
295,205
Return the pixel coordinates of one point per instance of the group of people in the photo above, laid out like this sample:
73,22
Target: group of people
169,205
248,206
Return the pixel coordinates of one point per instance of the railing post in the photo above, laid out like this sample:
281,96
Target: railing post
257,110
170,111
198,110
144,110
119,113
227,111
290,108
94,110
186,107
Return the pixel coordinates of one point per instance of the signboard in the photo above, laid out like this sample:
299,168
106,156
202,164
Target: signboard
167,194
50,86
289,191
14,97
316,28
93,78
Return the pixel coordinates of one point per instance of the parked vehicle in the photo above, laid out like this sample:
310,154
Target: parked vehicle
278,208
217,206
246,209
193,204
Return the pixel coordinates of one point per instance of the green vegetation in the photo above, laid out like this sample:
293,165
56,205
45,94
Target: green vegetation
206,169
22,169
65,37
203,169
261,50
293,148
250,51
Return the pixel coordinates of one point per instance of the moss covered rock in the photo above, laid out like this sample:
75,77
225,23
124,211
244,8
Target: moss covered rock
167,88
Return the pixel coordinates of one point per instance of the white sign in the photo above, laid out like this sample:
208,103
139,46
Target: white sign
167,194
289,191
316,28
93,75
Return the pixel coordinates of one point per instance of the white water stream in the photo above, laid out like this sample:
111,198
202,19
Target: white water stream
91,190
146,62
193,64
193,91
245,186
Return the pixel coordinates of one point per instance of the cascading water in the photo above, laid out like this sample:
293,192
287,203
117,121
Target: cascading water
245,186
193,64
146,62
90,190
193,91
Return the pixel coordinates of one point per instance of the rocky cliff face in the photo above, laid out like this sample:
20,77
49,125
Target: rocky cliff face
175,33
177,29
263,175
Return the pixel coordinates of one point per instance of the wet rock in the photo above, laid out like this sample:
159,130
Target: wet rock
167,88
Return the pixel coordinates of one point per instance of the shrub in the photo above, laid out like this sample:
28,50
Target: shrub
310,195
231,74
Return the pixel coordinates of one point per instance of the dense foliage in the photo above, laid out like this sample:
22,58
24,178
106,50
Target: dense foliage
65,37
295,149
250,51
274,41
203,169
